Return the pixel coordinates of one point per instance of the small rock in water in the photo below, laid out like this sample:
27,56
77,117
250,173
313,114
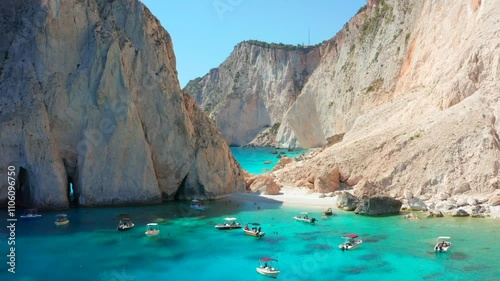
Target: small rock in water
435,214
412,216
459,213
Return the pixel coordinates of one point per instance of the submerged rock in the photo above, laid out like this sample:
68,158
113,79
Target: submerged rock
412,216
378,205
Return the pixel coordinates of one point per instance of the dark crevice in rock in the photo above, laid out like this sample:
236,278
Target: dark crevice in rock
72,183
24,189
72,192
181,190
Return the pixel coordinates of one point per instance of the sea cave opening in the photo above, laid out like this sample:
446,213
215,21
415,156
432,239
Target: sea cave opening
72,194
23,189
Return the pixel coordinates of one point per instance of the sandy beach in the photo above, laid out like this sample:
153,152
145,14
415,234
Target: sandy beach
302,197
290,196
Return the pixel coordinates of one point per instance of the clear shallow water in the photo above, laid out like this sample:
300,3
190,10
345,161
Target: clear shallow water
252,159
190,248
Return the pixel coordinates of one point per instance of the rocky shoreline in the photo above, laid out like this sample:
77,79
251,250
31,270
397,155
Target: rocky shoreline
378,205
352,196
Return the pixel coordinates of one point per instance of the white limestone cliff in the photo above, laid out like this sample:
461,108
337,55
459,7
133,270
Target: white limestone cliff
405,101
251,90
89,95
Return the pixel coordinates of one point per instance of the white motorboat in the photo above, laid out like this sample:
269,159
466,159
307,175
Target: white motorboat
30,214
230,223
152,229
125,224
350,242
305,218
254,231
198,205
61,219
268,267
442,244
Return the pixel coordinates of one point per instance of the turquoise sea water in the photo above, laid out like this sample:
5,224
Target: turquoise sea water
252,159
190,248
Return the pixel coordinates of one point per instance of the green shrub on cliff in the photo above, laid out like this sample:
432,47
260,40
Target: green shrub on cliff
372,24
288,47
274,128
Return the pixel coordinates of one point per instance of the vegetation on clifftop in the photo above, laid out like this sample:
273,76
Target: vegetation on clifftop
288,47
372,24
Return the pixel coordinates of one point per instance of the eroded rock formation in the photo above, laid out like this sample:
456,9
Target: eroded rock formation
89,95
378,205
405,101
248,93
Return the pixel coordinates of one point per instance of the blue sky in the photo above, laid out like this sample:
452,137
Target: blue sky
204,32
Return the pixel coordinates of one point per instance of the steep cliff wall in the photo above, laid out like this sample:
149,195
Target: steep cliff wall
409,91
422,121
253,87
90,96
356,74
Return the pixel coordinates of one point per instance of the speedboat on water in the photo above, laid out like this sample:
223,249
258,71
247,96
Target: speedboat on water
350,242
230,223
61,219
256,232
30,214
152,229
198,205
442,244
125,224
305,218
268,267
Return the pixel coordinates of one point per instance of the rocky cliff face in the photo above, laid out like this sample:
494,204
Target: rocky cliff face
421,121
405,98
249,92
386,54
90,96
